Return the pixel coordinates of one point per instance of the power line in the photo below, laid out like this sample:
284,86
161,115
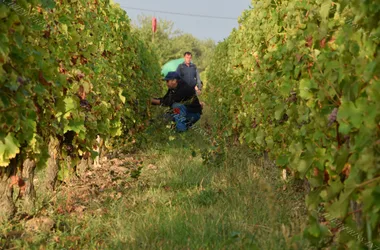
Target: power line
182,14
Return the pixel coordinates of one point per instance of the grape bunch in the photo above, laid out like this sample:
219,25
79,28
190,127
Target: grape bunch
332,116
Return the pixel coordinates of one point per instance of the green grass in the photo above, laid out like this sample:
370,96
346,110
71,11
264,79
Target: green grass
185,204
192,206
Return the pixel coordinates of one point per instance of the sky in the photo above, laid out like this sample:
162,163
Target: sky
201,27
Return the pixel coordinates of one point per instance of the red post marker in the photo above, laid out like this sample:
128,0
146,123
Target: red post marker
154,24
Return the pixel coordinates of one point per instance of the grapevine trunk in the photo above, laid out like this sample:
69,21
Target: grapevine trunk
30,193
53,164
7,206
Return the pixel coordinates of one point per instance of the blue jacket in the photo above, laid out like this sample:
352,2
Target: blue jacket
190,74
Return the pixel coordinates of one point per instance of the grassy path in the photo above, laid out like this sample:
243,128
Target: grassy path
178,202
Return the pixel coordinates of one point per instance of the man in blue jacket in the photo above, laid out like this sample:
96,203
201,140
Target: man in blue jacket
182,98
189,73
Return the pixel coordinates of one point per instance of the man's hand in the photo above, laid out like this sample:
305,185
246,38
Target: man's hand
197,90
202,104
155,101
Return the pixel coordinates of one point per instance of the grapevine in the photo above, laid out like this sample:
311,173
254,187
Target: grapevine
301,80
70,71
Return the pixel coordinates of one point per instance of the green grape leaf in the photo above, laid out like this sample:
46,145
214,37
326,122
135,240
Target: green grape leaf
70,104
282,160
349,113
306,85
340,207
75,125
48,4
9,148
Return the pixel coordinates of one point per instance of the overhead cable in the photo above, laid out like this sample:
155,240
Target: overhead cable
177,13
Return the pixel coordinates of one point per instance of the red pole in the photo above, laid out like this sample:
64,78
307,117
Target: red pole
154,27
154,24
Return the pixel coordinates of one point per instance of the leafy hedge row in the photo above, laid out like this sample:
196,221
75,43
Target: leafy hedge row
301,80
69,69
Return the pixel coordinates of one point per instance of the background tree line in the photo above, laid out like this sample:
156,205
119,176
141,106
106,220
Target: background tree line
170,43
